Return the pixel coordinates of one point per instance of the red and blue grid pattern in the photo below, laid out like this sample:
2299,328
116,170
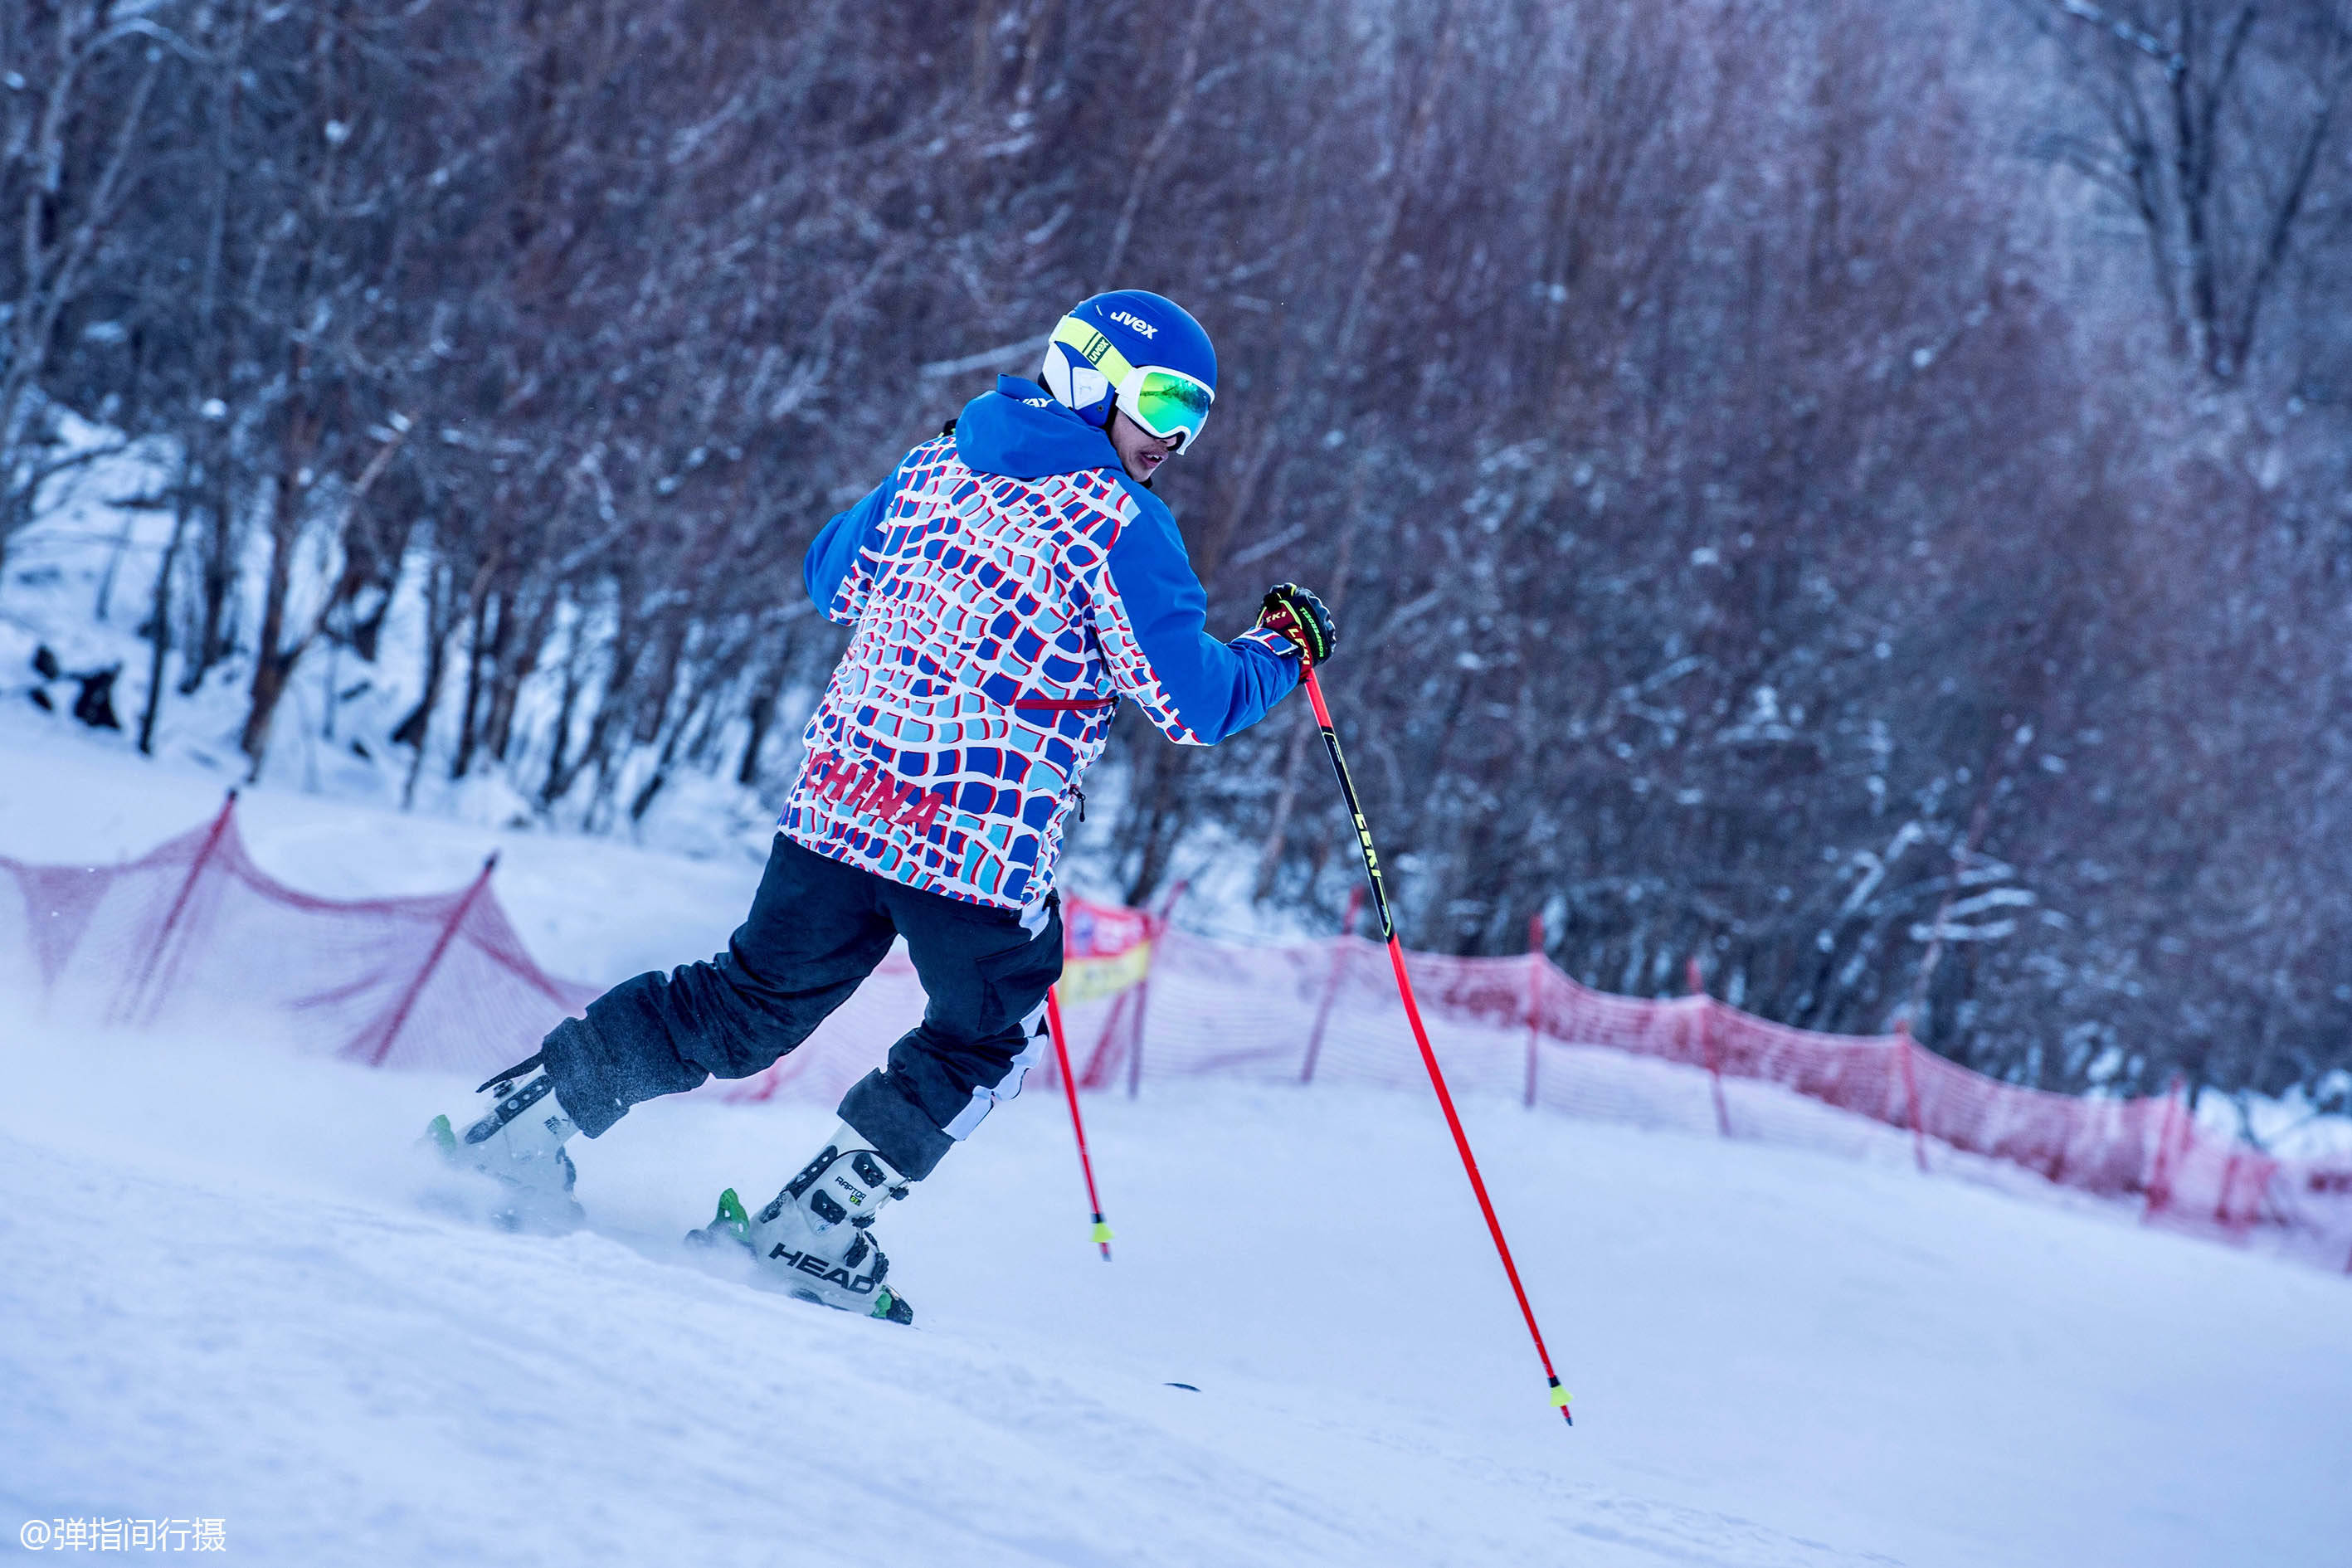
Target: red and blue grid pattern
991,652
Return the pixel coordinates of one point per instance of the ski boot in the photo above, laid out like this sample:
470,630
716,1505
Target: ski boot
518,1143
813,1241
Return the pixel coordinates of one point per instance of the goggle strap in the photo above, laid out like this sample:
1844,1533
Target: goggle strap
1094,349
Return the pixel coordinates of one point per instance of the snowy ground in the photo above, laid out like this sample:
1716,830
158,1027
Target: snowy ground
230,1297
228,1292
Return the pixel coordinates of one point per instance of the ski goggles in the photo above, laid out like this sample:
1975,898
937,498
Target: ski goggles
1168,404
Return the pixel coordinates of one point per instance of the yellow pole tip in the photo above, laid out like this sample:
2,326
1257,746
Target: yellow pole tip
1559,1398
1102,1231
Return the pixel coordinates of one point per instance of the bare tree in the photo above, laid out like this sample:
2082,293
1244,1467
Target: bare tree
2217,125
1754,541
80,78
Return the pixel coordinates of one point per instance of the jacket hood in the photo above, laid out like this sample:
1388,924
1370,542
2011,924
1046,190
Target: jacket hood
1020,432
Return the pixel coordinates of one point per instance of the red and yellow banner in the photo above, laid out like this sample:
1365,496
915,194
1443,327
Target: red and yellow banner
1105,950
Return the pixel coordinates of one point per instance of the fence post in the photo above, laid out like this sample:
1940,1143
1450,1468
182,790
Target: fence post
432,961
1535,998
2071,1120
1902,1048
137,996
1710,1049
1096,1071
1331,986
1135,1042
2159,1181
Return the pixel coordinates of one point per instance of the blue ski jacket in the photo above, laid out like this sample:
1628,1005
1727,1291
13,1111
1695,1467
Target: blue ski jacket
1009,584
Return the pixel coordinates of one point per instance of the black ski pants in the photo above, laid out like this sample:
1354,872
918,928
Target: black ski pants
816,929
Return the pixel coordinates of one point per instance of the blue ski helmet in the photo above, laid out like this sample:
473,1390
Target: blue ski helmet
1139,353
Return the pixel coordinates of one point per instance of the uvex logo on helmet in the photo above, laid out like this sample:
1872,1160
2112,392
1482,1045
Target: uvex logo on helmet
1126,319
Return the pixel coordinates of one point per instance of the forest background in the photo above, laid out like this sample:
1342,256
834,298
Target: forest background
1855,493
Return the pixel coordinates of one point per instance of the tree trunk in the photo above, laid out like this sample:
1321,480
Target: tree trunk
218,576
159,620
518,660
440,594
273,660
1163,818
761,715
480,646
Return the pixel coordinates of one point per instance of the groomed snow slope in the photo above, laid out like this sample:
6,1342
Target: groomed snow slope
229,1289
230,1295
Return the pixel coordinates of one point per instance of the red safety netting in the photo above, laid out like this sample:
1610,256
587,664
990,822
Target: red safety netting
194,933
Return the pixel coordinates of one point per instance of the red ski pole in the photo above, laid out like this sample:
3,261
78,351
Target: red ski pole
1420,1034
1078,1124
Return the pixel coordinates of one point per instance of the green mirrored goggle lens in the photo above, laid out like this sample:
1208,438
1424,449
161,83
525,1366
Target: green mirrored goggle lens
1168,404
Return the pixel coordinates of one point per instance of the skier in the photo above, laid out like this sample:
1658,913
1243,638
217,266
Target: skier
1008,582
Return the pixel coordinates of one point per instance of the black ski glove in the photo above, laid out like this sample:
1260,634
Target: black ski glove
1299,616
